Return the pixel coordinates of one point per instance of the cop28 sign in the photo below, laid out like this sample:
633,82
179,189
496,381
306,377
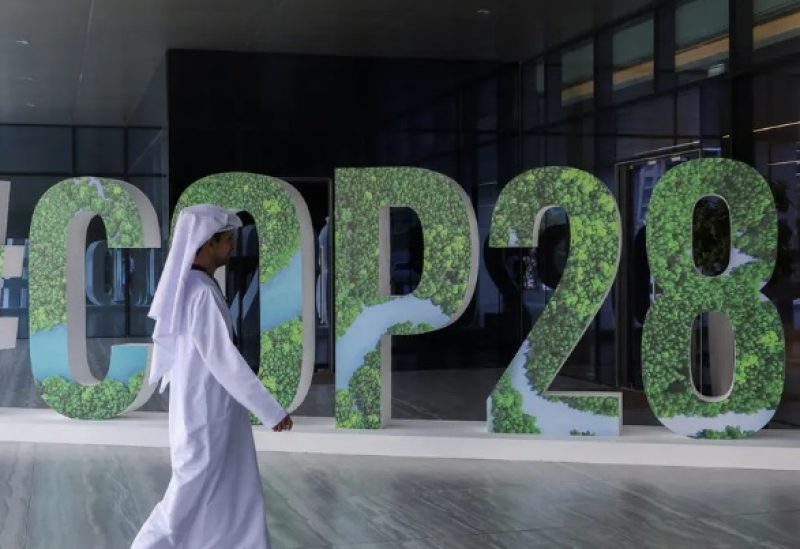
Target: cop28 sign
367,316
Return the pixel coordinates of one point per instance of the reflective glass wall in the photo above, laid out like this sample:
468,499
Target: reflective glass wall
685,80
120,283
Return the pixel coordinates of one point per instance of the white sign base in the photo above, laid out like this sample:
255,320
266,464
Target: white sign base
772,449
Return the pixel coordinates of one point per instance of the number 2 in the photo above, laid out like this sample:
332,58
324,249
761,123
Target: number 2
521,402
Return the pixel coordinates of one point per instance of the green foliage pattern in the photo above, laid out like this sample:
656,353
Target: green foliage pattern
262,197
589,272
731,432
280,346
507,414
279,239
360,195
360,406
49,234
105,400
686,293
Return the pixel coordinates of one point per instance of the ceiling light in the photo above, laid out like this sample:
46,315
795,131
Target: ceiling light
483,12
23,43
31,105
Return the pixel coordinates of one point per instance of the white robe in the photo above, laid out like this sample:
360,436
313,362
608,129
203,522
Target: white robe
214,498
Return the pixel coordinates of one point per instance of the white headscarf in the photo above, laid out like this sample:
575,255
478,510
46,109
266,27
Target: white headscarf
196,224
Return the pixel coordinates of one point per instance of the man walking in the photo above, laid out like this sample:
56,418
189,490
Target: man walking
214,497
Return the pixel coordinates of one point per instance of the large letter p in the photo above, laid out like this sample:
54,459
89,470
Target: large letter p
367,315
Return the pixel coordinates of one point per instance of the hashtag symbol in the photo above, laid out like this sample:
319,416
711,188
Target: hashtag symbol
11,258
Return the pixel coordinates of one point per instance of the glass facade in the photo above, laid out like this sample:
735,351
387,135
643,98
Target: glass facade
702,43
632,57
631,99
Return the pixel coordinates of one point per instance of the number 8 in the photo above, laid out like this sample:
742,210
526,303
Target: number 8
736,293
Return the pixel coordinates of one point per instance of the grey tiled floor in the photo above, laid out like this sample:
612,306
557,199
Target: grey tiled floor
96,497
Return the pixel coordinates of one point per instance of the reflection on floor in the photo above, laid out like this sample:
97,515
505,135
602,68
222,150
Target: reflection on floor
97,497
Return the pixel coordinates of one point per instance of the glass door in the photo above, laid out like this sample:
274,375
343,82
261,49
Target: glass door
634,290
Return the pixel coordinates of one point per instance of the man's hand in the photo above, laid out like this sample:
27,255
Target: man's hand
284,425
